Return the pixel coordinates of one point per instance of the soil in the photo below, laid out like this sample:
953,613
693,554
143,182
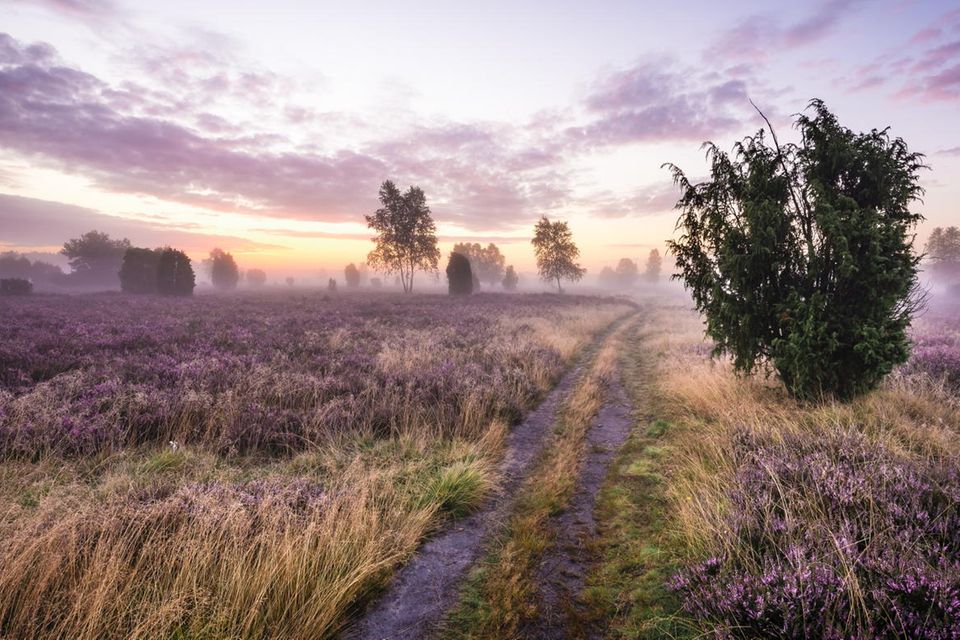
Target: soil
428,585
563,568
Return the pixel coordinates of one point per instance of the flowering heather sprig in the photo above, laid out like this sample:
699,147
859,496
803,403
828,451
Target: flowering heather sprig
831,536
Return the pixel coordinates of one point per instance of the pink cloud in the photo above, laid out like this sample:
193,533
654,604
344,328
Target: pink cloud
29,222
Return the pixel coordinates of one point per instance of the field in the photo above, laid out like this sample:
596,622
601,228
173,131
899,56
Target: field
250,466
268,465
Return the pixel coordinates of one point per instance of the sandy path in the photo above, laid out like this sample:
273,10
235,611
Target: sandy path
428,585
562,570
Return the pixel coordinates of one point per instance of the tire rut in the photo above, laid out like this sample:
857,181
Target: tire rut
562,571
428,585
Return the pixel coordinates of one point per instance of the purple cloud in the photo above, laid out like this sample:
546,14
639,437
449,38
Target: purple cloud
652,199
758,36
654,101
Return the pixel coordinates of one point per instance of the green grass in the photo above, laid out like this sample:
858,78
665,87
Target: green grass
637,554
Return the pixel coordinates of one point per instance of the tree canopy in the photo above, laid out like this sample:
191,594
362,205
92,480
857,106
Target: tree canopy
406,236
95,258
556,252
510,279
800,255
943,252
224,273
654,263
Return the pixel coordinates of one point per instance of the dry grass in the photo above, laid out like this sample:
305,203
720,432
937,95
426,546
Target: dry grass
909,420
499,595
184,542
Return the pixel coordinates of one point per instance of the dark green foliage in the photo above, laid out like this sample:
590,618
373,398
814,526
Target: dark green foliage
15,287
138,271
351,276
800,256
459,275
510,279
166,271
174,273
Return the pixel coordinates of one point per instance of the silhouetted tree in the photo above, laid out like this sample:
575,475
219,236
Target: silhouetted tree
487,263
800,256
654,264
556,252
15,265
175,275
406,236
224,273
351,276
331,285
256,277
607,277
510,279
459,275
943,252
15,287
627,271
138,271
95,258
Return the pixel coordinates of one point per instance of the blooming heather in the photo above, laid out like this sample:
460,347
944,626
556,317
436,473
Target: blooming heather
830,535
265,372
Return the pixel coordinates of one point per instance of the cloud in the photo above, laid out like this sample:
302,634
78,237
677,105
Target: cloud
761,36
76,8
655,101
653,199
30,222
953,151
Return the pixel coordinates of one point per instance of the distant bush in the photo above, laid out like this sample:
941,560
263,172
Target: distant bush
15,287
290,281
331,284
256,277
351,276
138,271
459,275
148,271
175,273
376,283
510,279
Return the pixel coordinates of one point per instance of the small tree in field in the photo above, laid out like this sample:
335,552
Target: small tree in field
224,273
332,285
460,275
556,252
138,270
627,271
351,275
486,263
256,277
510,279
406,237
654,263
943,252
800,256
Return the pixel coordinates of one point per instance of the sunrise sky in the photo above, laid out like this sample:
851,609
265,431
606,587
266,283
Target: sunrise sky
266,128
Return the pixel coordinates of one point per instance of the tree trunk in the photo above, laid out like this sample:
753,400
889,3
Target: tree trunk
559,288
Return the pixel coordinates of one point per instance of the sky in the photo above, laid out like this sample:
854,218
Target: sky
266,129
